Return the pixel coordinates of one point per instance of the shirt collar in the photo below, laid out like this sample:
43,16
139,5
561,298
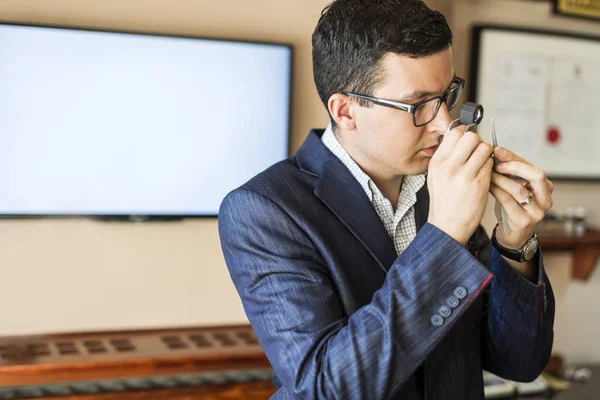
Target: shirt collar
413,183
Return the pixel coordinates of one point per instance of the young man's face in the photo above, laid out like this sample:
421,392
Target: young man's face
387,138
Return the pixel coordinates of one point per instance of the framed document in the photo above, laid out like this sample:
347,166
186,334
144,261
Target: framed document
542,90
589,9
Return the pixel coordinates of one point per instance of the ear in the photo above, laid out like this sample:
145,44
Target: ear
341,109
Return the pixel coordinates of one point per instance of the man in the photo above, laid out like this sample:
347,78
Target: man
360,261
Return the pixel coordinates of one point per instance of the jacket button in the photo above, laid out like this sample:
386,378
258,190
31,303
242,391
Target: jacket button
460,292
452,301
445,311
436,320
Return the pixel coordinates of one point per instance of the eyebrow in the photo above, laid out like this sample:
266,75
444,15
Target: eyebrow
422,94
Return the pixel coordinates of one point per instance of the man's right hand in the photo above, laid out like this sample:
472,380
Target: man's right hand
458,181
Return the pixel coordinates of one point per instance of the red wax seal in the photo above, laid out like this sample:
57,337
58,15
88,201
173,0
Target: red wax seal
553,135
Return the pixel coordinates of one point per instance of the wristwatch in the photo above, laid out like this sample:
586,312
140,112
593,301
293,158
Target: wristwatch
526,253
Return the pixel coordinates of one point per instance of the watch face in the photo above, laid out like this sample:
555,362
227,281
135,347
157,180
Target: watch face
530,249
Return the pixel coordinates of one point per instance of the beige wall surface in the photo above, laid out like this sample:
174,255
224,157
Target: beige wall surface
81,275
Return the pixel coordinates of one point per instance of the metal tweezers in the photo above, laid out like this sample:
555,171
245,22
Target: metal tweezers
505,225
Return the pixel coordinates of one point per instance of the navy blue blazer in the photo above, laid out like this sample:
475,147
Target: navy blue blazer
341,316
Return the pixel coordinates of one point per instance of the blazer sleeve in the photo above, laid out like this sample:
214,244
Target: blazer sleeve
518,317
316,350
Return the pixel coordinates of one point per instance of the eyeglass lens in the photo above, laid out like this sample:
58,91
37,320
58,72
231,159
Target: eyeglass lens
426,112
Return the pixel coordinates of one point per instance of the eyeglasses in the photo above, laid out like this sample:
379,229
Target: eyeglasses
424,111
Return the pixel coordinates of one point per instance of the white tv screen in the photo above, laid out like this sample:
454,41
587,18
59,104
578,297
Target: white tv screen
97,123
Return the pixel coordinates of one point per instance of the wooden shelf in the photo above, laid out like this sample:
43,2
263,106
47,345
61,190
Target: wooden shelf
585,250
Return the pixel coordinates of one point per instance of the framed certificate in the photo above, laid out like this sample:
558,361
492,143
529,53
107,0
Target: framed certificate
541,88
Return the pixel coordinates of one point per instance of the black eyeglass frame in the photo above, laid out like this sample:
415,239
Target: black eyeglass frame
457,84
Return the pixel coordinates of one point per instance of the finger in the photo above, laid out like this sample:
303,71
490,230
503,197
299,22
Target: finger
481,160
538,181
515,188
522,223
517,217
465,147
449,143
503,154
485,172
519,193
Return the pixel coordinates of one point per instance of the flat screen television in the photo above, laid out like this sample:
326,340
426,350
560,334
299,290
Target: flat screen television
135,126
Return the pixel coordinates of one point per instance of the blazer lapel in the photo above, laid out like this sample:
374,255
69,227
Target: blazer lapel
422,207
342,194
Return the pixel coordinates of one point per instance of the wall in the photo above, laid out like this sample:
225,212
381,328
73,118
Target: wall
81,275
577,325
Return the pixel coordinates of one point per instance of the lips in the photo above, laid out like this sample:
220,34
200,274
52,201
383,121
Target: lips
430,151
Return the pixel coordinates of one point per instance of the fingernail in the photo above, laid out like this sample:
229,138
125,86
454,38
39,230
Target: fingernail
501,165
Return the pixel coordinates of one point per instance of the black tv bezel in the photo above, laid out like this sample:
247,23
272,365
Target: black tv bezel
153,217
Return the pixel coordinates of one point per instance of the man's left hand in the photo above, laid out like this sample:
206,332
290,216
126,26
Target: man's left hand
512,195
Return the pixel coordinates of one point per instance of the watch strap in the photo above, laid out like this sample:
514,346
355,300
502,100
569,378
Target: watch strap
515,255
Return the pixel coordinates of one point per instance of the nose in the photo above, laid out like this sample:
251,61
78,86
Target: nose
441,121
